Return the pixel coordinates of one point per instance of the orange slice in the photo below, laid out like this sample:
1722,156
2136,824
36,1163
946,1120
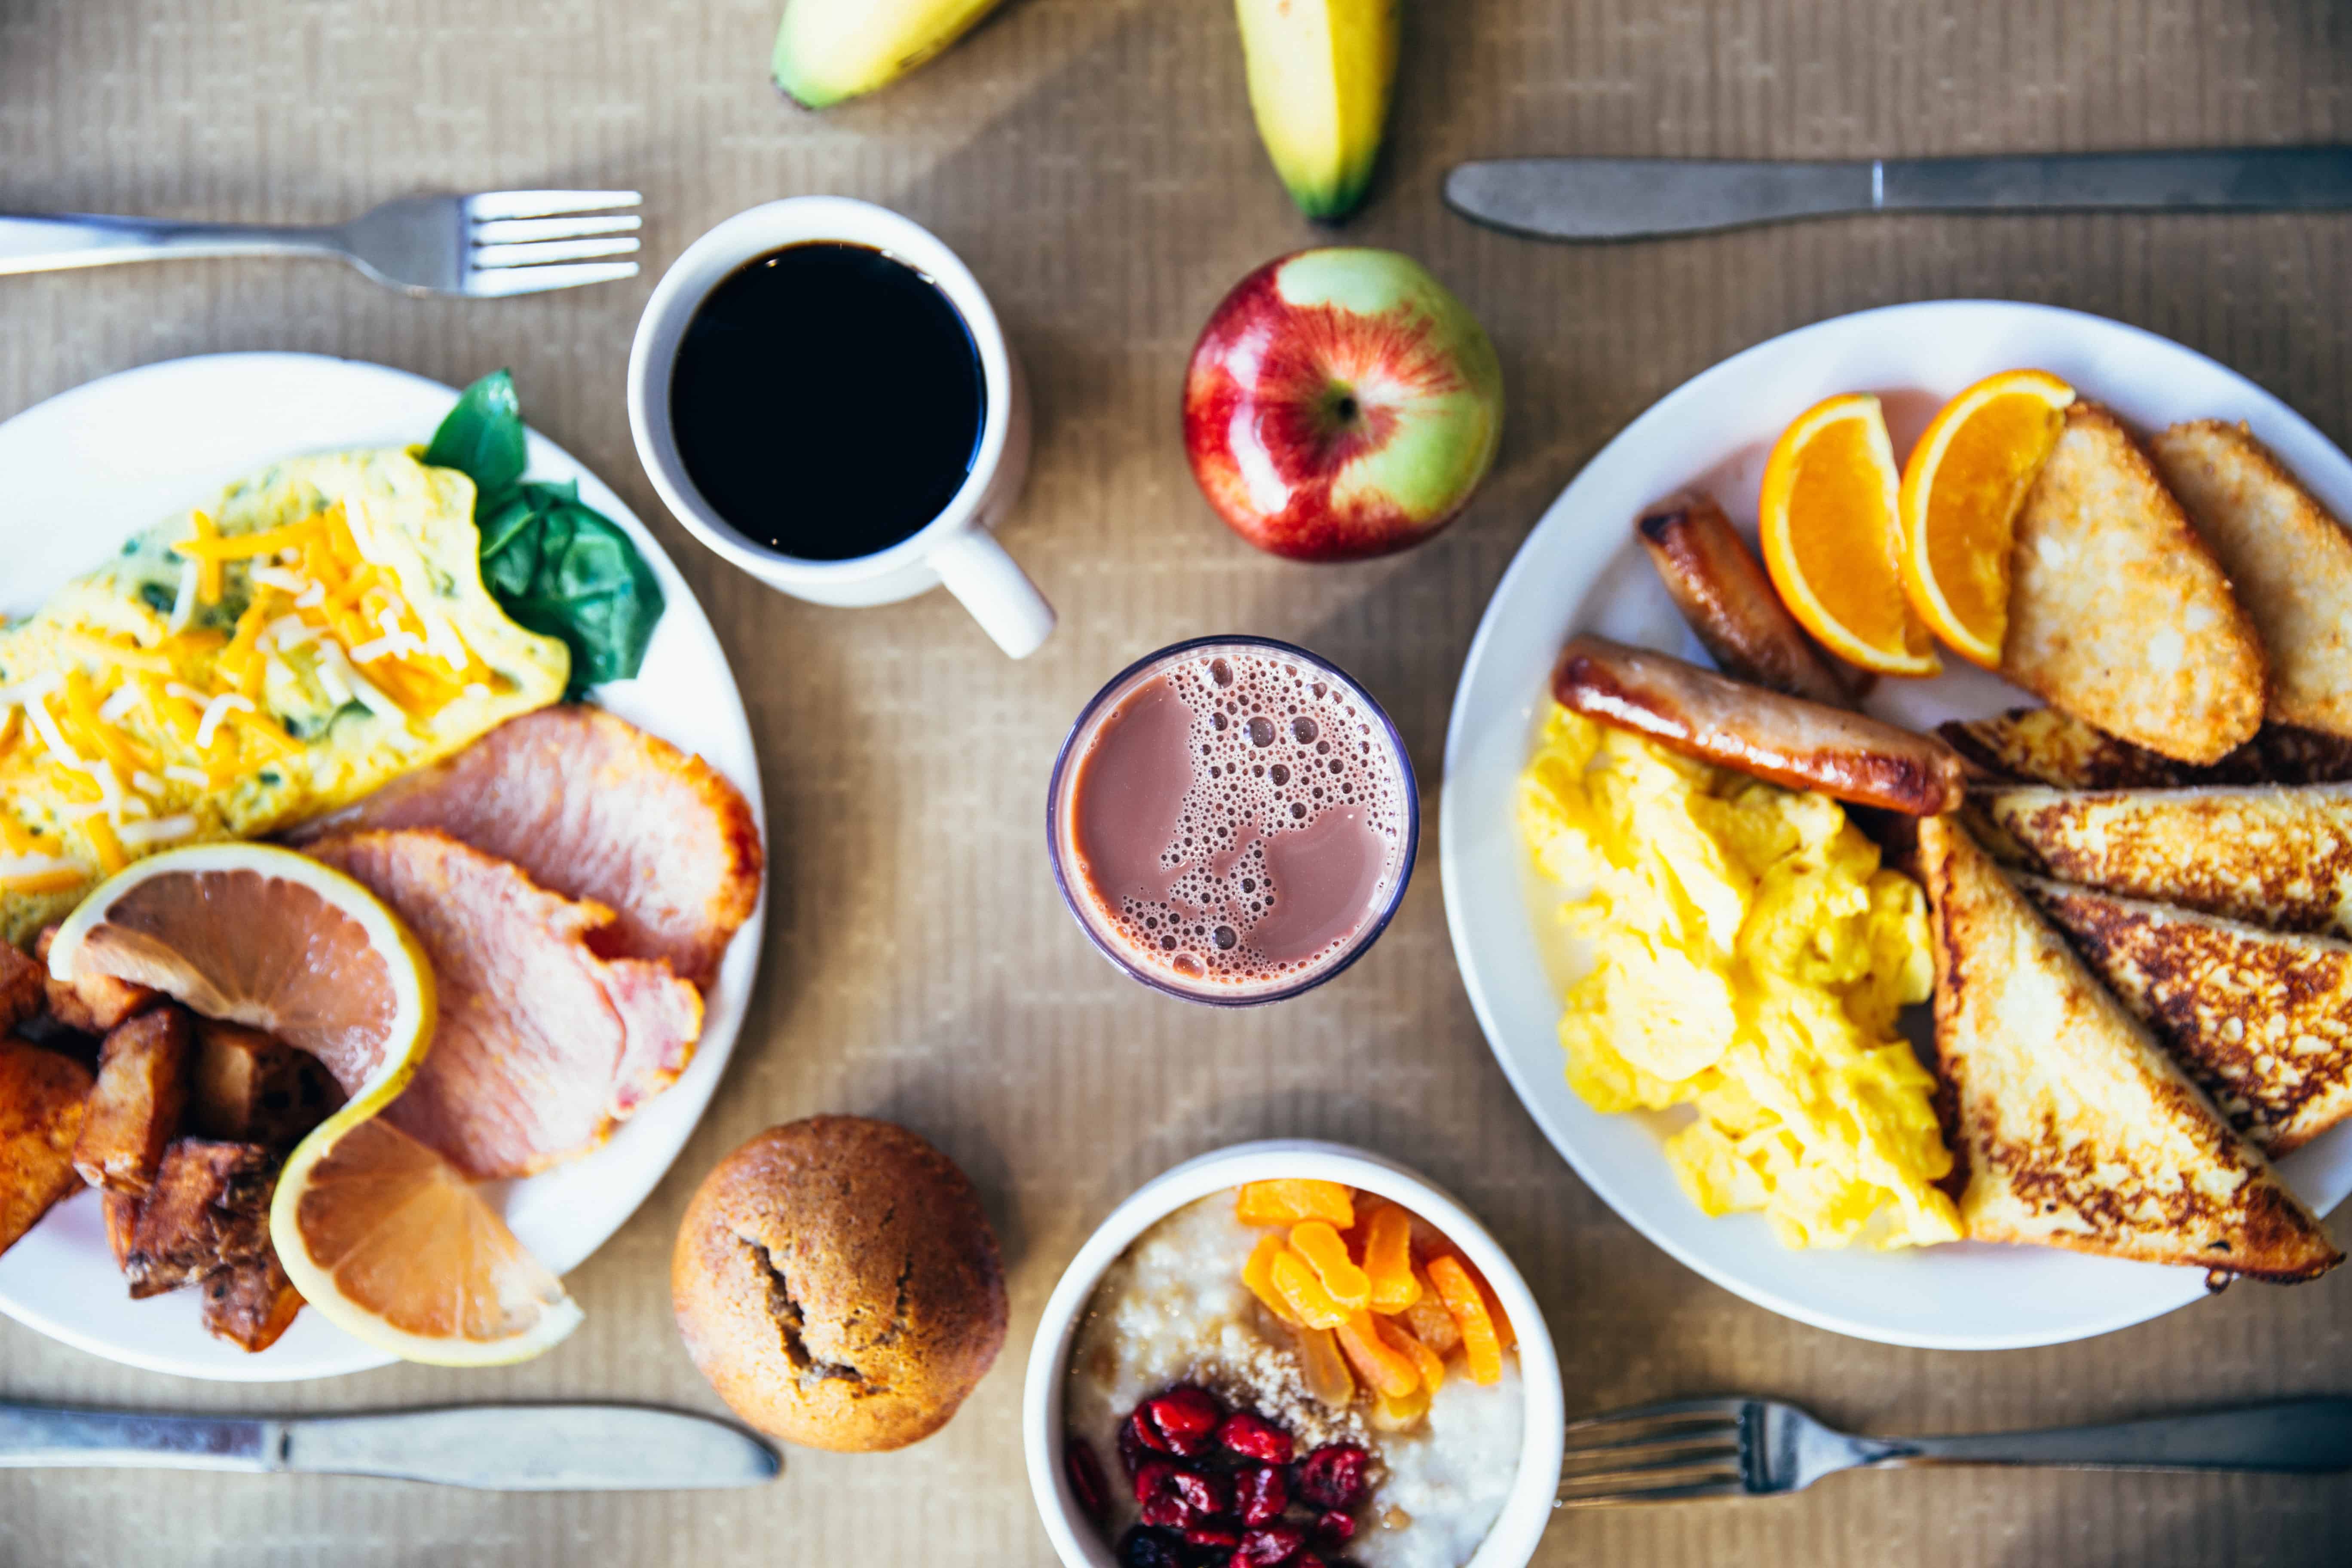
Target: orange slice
1832,534
387,1238
1962,490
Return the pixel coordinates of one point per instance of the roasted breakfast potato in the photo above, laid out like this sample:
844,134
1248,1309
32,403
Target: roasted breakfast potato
95,1004
251,1089
207,1210
121,1223
142,1093
41,1099
23,988
251,1304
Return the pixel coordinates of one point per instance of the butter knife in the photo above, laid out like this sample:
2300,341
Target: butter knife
1639,199
489,1447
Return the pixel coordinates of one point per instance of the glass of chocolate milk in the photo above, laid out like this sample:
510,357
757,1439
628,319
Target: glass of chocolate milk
1233,820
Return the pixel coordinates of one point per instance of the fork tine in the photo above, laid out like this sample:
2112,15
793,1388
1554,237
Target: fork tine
1619,1455
504,280
1666,1410
1660,1494
1718,1463
488,257
521,230
487,205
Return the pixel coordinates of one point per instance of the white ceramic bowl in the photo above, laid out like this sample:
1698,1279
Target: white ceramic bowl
1517,1529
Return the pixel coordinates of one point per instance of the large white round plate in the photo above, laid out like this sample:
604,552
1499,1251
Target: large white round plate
1579,572
91,467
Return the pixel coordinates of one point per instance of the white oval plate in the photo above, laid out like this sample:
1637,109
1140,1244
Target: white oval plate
1579,570
91,467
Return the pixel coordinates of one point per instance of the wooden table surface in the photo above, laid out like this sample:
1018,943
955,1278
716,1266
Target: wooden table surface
1095,161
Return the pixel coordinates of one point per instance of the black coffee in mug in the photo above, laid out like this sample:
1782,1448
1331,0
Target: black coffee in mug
827,400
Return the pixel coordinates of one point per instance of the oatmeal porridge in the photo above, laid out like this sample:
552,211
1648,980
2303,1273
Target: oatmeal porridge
1293,1373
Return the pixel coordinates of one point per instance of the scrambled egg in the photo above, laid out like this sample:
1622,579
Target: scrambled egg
323,629
1749,956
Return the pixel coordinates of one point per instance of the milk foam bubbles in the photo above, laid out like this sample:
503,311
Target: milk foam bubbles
1236,818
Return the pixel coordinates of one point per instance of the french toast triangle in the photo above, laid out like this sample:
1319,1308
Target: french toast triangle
2118,613
2073,1127
2274,856
2290,563
2260,1019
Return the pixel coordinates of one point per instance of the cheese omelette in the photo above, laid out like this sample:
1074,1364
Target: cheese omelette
321,629
1748,957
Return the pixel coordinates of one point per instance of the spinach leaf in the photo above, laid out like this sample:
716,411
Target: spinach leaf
558,567
482,439
563,571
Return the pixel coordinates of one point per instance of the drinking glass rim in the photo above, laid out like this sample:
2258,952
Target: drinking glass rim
1364,938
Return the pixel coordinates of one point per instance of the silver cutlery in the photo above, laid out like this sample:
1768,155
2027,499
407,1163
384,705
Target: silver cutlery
1640,198
1761,1447
490,244
489,1447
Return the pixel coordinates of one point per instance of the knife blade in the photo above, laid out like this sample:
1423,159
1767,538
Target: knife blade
1637,198
489,1447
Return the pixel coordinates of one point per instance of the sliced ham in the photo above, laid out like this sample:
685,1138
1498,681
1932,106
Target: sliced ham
592,807
542,1047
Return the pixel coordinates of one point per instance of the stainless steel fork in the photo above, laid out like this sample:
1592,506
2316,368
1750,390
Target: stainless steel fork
487,244
1758,1447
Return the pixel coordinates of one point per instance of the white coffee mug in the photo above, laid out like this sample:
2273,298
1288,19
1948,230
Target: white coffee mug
955,548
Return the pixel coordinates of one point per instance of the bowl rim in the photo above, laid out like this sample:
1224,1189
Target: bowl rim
1510,1542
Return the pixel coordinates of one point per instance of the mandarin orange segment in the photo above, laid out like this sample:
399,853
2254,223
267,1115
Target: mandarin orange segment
1328,1377
1388,1260
1830,520
1295,1281
1318,1243
1482,1349
1425,1362
1287,1202
1962,491
1385,1369
1258,1274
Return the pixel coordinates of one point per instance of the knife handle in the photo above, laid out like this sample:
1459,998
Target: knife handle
2252,179
1640,198
34,1435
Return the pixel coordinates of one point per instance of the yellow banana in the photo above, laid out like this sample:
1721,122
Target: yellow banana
1320,75
827,50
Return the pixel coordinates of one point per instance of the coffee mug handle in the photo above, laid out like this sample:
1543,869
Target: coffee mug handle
976,570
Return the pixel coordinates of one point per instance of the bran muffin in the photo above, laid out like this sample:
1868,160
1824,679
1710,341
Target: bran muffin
836,1283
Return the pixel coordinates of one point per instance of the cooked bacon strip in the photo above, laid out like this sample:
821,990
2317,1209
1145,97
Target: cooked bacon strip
1722,590
541,1047
592,807
1790,741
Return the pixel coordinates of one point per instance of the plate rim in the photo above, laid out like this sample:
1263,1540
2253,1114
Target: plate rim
716,1045
1559,513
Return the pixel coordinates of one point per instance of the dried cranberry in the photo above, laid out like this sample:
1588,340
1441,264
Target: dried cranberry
1334,1476
1255,1438
1145,1433
1166,1510
1184,1417
1143,1547
1204,1494
1086,1478
1264,1492
1213,1532
1335,1529
1157,1477
1136,1445
1269,1546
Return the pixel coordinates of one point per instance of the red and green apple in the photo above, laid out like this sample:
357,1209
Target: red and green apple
1341,403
